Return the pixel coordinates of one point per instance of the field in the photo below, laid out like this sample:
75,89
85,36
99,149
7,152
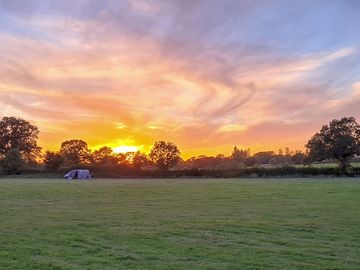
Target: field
180,224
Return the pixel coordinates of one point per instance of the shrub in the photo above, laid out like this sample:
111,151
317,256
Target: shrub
12,162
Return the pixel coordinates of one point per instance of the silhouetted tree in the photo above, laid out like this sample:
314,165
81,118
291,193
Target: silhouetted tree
139,160
164,155
53,160
12,162
124,158
282,158
239,155
264,157
202,162
75,151
298,158
340,139
104,156
16,133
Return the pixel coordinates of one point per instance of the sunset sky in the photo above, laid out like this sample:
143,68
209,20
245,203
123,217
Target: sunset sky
205,74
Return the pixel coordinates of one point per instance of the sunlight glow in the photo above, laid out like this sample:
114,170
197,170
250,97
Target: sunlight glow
125,149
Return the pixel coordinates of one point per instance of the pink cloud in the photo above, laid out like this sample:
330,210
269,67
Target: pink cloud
162,87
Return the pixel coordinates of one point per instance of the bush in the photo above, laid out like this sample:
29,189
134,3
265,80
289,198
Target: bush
123,171
12,162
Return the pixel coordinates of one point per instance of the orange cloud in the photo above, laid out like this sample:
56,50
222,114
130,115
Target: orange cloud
120,87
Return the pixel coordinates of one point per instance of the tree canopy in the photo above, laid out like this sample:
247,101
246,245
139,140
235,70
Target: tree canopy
17,133
75,151
239,155
139,160
104,156
164,155
340,140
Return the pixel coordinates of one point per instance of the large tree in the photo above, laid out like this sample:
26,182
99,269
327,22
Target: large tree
164,155
75,151
17,133
340,140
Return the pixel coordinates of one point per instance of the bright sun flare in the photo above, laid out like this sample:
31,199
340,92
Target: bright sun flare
125,149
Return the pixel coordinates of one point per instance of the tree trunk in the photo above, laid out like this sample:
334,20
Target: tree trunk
344,165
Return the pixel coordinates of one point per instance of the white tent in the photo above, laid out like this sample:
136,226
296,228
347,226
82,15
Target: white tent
78,174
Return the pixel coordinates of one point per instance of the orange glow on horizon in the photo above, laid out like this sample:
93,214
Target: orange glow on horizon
123,149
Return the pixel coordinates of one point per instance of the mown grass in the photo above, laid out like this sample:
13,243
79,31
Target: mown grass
180,224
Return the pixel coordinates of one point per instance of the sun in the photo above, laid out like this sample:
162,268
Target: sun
125,149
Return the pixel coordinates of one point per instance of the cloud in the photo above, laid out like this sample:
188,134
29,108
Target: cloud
203,73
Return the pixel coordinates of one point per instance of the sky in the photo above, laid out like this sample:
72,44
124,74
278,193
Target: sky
205,74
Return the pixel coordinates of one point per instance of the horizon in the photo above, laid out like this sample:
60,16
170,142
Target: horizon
207,75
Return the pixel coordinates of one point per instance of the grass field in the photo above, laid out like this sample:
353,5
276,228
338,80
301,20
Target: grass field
180,224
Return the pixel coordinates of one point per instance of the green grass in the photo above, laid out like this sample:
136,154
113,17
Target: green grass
180,224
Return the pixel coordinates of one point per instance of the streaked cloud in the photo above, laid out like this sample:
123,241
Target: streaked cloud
206,74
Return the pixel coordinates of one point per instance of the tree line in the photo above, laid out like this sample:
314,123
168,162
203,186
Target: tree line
339,140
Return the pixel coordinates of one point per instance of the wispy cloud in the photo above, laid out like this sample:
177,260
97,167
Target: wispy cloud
208,74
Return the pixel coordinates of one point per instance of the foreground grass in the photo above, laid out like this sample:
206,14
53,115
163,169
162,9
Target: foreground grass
180,224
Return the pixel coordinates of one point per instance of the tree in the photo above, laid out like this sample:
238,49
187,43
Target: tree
104,156
16,133
239,155
340,140
298,158
75,151
12,162
164,155
264,157
53,160
124,159
139,160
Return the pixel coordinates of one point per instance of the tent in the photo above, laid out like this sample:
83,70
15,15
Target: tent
78,174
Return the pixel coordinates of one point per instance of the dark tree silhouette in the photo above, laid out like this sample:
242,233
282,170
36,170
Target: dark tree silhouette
16,133
264,157
124,159
139,160
340,140
104,156
75,151
239,155
53,160
164,155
